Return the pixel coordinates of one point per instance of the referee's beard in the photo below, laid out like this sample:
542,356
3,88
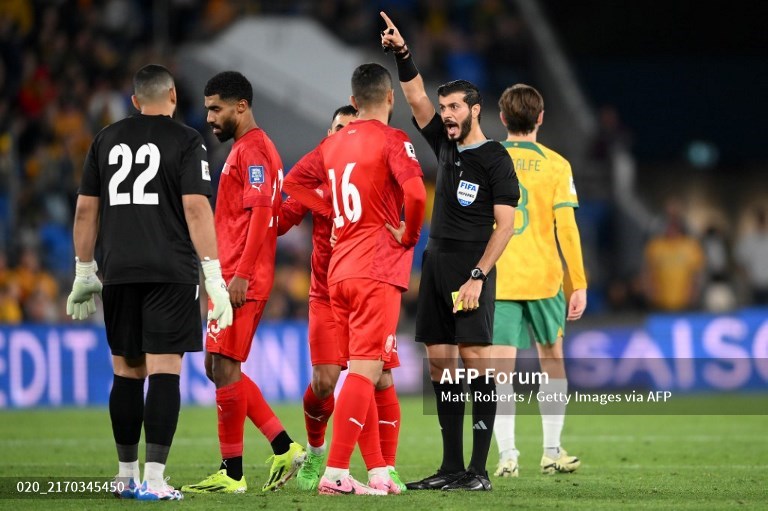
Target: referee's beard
465,128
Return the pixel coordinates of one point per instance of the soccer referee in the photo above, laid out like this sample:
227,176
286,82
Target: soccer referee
476,188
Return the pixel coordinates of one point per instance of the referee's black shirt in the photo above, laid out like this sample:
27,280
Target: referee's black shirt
139,168
469,183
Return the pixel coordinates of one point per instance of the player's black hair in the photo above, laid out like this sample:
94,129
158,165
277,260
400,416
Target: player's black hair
521,105
471,92
230,86
370,84
151,82
344,110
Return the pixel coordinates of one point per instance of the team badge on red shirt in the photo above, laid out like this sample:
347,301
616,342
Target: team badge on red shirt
256,174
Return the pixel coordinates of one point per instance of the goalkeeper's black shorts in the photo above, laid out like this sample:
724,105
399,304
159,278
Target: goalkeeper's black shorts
157,318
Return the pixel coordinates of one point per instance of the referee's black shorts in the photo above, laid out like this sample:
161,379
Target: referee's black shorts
446,266
157,318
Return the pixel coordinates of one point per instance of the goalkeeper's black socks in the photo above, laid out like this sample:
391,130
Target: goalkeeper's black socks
126,410
483,418
233,466
161,415
450,413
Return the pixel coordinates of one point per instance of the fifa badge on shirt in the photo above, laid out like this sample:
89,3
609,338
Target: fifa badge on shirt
467,192
256,174
205,170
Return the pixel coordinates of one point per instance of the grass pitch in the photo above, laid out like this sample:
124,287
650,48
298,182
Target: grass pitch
629,462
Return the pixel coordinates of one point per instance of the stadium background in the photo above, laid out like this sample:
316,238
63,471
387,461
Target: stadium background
658,105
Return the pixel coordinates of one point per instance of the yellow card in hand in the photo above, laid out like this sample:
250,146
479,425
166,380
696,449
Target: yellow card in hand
460,305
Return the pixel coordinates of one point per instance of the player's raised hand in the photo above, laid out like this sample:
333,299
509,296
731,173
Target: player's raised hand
390,36
577,304
81,302
217,292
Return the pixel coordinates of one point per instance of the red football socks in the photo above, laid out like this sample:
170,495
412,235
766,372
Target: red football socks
259,411
232,405
317,412
349,418
389,422
369,441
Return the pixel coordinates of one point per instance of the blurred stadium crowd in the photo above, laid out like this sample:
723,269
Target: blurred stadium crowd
65,72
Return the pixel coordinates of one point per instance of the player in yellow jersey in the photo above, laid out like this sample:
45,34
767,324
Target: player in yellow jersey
529,289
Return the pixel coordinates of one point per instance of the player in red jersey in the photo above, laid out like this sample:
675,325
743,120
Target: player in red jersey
327,361
323,344
248,204
372,172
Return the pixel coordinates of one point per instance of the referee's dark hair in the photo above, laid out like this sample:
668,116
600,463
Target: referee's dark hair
472,95
521,106
151,83
230,86
370,84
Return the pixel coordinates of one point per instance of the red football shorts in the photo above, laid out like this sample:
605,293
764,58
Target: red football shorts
366,313
323,335
235,341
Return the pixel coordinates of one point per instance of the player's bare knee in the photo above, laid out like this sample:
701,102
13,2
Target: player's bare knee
553,351
438,365
370,369
324,379
323,385
551,359
322,389
134,368
503,358
225,371
164,364
222,378
385,380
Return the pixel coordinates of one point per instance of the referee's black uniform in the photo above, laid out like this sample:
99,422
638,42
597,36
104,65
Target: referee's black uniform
470,182
139,168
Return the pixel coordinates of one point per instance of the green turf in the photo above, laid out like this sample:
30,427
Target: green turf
633,462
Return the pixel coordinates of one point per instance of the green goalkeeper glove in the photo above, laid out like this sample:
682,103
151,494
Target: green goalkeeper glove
81,302
217,292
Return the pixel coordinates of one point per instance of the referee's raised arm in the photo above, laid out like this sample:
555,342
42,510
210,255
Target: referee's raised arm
410,80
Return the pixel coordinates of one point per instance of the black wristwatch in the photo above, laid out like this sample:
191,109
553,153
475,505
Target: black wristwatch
477,274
